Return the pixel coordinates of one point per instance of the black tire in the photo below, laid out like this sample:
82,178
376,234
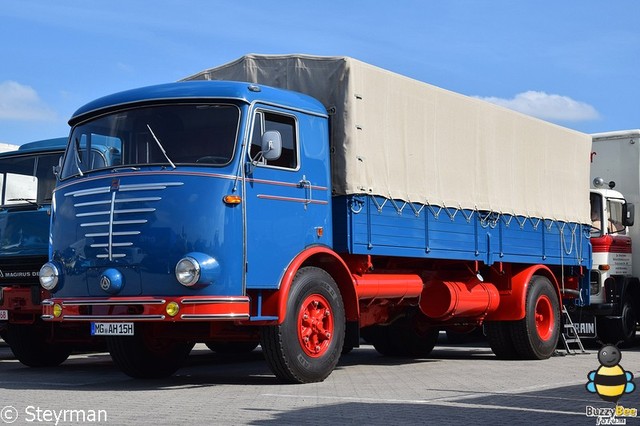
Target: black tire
292,358
500,341
145,357
536,335
620,331
232,347
405,337
628,322
30,345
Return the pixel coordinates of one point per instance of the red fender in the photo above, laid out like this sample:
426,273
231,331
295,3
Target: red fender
513,301
322,257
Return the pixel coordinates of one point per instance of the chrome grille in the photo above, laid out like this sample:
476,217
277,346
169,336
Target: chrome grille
107,216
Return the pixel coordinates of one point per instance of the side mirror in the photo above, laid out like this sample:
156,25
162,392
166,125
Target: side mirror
271,145
628,213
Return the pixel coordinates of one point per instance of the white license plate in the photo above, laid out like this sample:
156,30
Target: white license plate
112,329
4,315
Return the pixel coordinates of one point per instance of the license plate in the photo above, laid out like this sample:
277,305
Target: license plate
4,315
112,329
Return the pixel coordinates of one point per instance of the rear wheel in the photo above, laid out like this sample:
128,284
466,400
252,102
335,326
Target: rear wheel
536,335
30,345
306,347
145,356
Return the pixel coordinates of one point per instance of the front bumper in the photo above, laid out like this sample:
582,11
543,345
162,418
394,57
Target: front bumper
198,308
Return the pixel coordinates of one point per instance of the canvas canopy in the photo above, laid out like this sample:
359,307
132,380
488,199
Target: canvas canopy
400,138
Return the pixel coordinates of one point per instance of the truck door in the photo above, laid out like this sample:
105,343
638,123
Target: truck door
278,192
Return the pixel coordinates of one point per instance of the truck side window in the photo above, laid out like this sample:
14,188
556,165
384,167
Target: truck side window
284,124
615,225
596,214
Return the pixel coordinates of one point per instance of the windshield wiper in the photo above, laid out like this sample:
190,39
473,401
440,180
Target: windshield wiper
77,157
161,147
28,200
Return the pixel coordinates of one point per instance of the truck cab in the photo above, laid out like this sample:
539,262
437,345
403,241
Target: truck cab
26,183
613,290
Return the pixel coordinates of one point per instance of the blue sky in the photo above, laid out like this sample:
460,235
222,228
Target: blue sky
573,62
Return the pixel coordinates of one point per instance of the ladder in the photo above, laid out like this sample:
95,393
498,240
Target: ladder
570,334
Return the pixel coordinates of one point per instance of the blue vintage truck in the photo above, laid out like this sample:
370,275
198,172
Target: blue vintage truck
27,182
301,203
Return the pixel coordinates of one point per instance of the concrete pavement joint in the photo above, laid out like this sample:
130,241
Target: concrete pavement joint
427,402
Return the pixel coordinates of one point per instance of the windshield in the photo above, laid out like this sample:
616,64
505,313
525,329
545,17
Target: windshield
27,179
171,135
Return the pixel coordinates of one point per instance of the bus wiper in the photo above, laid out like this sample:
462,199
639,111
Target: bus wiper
161,147
77,157
28,200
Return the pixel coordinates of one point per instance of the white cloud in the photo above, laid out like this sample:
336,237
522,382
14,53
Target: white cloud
547,106
20,102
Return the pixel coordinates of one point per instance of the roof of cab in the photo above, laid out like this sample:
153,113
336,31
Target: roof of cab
199,90
55,144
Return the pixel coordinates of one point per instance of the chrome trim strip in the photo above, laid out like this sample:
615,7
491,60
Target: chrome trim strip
92,203
103,245
149,186
115,222
110,225
188,301
213,316
113,302
99,213
92,191
47,302
111,256
104,234
135,200
46,317
113,317
295,200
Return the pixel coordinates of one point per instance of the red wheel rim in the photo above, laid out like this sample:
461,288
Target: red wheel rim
545,320
315,325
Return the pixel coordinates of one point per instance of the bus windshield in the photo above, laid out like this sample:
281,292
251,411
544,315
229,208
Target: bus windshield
27,179
168,135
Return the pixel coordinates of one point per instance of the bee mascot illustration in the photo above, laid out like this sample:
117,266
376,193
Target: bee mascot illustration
610,381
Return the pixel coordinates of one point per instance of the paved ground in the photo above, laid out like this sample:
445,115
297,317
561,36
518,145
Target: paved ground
458,385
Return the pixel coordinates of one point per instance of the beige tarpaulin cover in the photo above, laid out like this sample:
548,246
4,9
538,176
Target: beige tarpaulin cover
404,139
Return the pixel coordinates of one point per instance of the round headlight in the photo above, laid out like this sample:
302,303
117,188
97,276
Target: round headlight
49,276
188,271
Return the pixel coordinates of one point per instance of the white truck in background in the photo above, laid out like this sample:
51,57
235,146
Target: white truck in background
613,310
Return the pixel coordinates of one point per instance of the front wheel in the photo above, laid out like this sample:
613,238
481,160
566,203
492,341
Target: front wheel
145,356
306,346
536,335
622,329
31,346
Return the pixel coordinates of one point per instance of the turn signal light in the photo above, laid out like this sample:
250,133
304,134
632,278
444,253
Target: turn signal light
604,267
232,199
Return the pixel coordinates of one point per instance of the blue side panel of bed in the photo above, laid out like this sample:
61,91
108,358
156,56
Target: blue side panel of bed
378,226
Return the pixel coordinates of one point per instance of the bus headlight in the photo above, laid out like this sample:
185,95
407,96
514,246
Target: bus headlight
188,271
197,269
49,276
